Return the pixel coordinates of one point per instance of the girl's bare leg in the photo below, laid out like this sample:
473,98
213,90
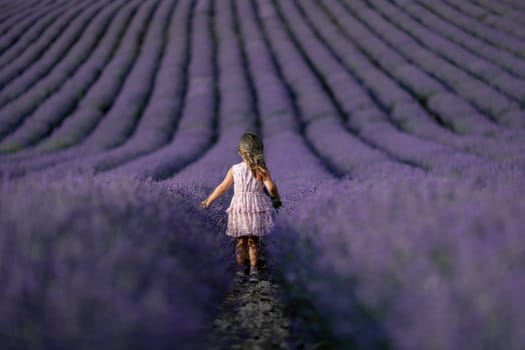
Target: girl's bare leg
240,250
253,250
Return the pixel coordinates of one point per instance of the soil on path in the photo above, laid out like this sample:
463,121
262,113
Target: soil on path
253,316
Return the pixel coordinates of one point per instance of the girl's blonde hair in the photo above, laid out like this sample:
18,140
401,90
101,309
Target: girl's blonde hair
251,149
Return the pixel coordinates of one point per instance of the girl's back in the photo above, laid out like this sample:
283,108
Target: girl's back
248,195
243,179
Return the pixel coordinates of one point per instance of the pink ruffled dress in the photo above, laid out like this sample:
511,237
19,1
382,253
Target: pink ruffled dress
250,210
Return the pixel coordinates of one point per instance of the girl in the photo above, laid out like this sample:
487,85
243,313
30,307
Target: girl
249,214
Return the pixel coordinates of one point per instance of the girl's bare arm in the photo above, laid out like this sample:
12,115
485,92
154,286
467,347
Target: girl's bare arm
219,190
271,186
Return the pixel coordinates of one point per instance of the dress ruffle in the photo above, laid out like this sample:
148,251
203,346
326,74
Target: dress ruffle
242,224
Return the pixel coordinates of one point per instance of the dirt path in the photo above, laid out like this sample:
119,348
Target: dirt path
252,315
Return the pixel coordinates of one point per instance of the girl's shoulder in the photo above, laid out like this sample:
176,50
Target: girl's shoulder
236,166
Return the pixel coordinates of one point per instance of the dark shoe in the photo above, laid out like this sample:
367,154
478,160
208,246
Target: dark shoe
240,272
254,274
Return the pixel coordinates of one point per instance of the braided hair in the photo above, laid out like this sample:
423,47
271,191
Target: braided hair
251,149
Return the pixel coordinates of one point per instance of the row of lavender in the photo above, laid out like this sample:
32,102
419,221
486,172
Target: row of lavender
371,67
111,263
407,262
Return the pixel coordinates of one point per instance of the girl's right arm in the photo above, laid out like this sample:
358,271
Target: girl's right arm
219,190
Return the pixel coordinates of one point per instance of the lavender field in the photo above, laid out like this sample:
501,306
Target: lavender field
394,129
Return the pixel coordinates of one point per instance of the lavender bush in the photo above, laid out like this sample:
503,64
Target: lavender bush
111,263
417,262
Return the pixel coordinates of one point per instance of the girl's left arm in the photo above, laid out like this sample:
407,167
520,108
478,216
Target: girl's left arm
272,190
219,190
